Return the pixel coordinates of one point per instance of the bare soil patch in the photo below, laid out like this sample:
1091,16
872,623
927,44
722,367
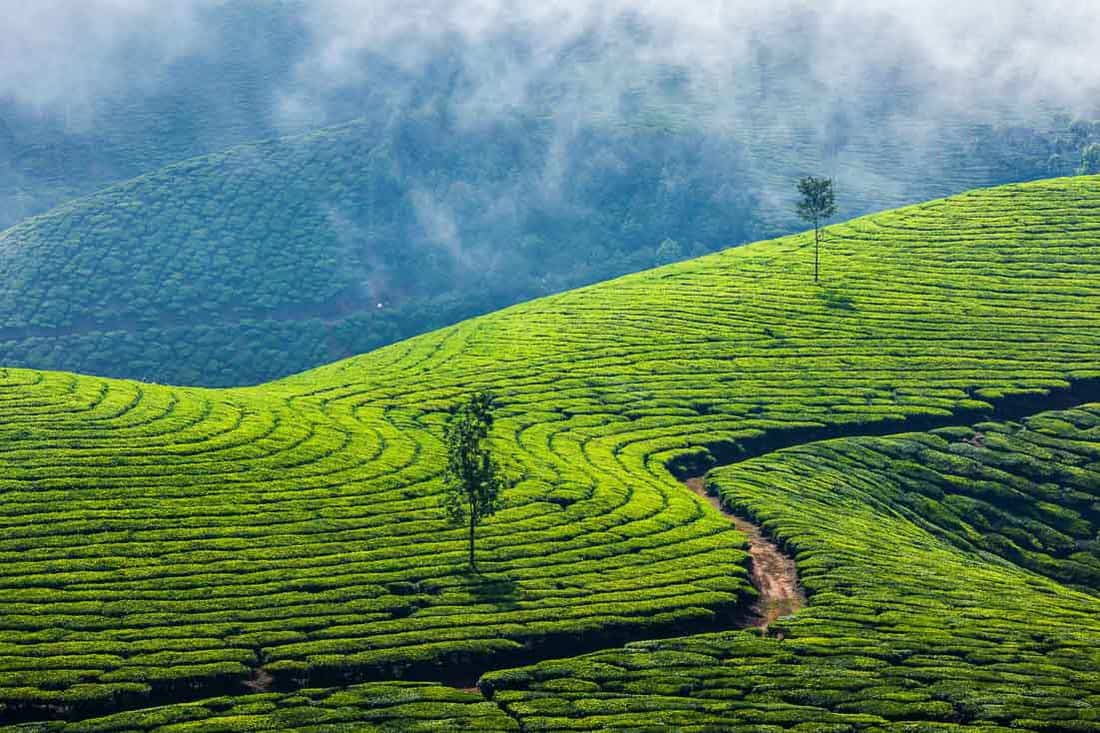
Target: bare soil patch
773,572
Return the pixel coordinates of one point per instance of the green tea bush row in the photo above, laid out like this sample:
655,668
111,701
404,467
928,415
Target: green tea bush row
911,622
292,529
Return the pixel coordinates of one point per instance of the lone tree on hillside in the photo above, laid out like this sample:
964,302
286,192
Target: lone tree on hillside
473,479
816,205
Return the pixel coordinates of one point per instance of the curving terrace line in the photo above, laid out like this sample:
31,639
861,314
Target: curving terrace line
164,543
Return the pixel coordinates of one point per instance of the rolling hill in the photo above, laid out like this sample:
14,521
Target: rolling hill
924,555
183,236
175,544
270,258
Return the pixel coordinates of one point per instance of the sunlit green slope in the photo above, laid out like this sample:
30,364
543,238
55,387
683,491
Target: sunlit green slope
925,556
170,541
913,623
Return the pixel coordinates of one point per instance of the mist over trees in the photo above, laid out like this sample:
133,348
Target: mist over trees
463,171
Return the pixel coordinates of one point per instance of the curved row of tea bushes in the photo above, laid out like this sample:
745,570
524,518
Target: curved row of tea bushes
372,708
911,624
908,628
171,543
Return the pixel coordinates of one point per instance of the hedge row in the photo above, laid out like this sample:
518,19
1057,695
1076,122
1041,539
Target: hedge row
913,623
173,543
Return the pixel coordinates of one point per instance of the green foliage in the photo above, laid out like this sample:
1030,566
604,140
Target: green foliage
817,204
174,543
390,707
473,481
818,200
910,624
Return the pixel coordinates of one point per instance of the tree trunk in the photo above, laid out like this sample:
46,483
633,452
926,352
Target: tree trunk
817,251
473,565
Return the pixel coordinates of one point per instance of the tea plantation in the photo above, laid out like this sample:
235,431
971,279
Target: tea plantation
266,259
381,706
170,544
910,619
270,258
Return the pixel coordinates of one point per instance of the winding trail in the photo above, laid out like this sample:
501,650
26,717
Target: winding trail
773,572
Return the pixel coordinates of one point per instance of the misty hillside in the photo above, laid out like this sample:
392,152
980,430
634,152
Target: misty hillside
250,71
274,257
269,186
279,256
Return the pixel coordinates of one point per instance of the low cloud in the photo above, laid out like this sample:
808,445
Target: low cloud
60,57
956,56
866,91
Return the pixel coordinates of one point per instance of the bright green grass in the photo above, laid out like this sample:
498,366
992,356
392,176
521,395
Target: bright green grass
171,539
909,621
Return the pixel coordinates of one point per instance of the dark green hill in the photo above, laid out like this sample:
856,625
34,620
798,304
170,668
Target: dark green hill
277,256
274,257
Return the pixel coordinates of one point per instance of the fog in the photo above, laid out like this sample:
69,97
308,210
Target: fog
59,56
869,92
958,56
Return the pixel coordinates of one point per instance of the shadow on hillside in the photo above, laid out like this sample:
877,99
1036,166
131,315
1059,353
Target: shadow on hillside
500,591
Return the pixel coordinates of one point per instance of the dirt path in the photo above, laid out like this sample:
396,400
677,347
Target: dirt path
773,573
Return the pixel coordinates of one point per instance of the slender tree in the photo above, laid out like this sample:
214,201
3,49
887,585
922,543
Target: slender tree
473,479
816,205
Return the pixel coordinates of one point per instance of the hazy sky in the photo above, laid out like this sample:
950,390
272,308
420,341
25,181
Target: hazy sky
58,54
1015,51
878,83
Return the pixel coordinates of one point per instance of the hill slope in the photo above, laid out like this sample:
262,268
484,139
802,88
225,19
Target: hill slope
270,258
168,542
905,629
913,617
275,257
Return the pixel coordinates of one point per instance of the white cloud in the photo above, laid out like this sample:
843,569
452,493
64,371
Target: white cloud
60,56
1010,51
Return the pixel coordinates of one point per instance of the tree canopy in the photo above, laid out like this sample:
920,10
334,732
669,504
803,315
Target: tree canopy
817,203
473,478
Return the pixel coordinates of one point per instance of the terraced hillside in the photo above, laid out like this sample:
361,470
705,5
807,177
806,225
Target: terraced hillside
165,543
912,619
905,625
393,707
270,258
